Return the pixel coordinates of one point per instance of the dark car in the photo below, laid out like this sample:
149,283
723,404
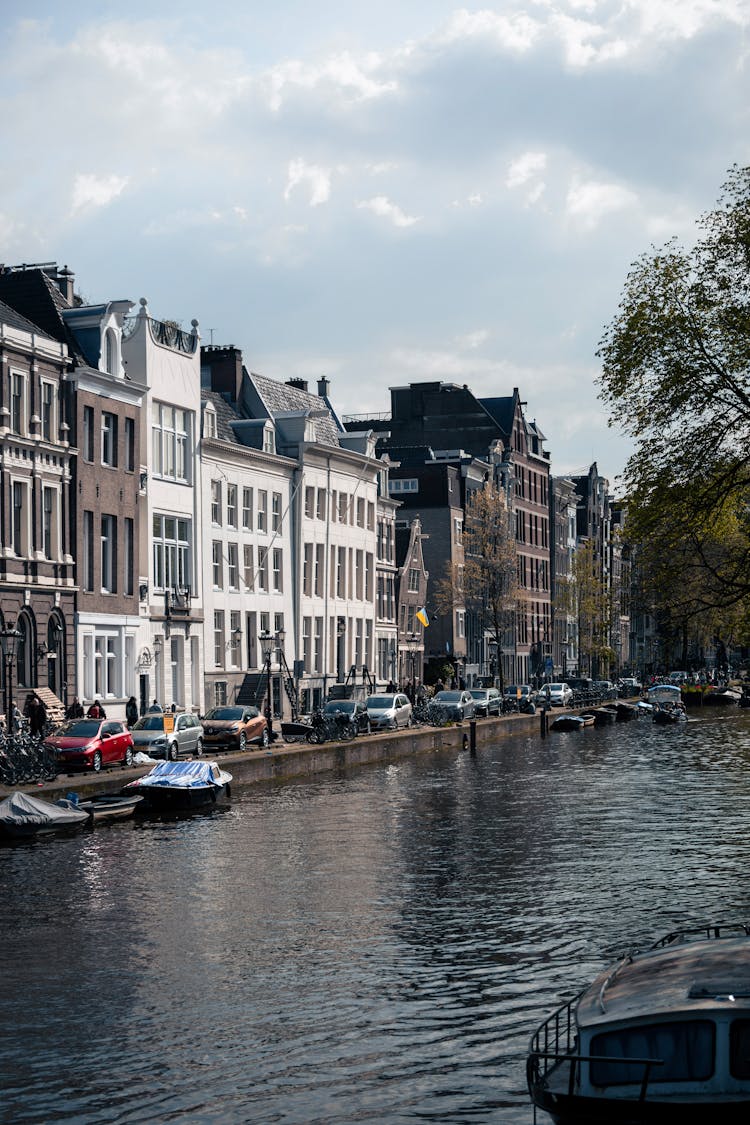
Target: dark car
487,701
457,705
232,727
91,744
355,709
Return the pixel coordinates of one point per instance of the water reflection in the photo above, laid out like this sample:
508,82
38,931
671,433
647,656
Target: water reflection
370,947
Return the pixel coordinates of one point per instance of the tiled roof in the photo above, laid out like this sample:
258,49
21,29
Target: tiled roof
502,410
225,415
14,319
33,294
280,398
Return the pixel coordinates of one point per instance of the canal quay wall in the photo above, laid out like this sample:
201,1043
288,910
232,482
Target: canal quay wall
289,760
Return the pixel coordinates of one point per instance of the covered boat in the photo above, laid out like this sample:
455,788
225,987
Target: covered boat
666,703
22,815
175,785
660,1038
568,722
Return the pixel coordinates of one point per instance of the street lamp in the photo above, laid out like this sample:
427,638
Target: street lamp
8,639
266,647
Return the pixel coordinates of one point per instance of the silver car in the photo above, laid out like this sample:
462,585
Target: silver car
388,712
167,736
456,705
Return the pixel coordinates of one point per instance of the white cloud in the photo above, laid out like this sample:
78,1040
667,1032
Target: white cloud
315,178
96,191
473,340
515,32
357,77
382,206
588,201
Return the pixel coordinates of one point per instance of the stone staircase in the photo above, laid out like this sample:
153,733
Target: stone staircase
55,707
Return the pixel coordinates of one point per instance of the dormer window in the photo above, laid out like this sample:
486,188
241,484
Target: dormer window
209,422
268,441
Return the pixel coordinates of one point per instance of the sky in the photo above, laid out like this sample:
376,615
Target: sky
380,193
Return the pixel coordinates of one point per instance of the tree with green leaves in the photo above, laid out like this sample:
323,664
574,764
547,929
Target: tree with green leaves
486,582
676,377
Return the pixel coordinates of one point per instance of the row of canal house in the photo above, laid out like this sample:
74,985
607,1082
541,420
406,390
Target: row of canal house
176,527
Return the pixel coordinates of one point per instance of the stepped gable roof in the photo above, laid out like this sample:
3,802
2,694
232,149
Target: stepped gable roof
33,294
280,398
15,319
225,415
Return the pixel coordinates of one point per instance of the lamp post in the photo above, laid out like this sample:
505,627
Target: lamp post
157,662
266,647
8,639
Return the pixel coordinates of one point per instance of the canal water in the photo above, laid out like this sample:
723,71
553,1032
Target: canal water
372,947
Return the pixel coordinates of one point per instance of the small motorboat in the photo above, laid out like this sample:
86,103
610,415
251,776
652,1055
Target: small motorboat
626,711
568,722
23,816
182,785
104,807
660,1038
667,713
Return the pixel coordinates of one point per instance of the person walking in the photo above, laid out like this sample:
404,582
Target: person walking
131,711
36,713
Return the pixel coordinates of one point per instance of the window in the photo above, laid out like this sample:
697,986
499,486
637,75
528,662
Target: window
343,507
216,502
368,576
458,527
263,569
18,403
247,565
220,693
49,522
687,1049
130,444
406,485
309,502
318,647
209,422
370,516
334,505
358,561
129,553
48,411
109,439
219,638
268,441
278,583
231,505
307,564
172,557
320,510
109,555
88,433
739,1049
171,430
307,642
217,565
276,511
110,352
233,569
20,518
460,623
360,513
341,573
88,552
235,636
319,569
262,510
413,579
247,509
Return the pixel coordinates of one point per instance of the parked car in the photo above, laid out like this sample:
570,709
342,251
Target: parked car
356,709
232,727
555,695
457,705
629,685
168,736
518,697
487,701
605,689
91,743
388,712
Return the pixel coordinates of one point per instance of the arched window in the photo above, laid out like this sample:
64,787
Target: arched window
110,352
25,650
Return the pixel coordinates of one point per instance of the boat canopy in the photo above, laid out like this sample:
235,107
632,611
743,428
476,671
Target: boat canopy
22,811
664,693
184,775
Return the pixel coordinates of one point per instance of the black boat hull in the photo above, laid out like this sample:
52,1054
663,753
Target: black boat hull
565,1109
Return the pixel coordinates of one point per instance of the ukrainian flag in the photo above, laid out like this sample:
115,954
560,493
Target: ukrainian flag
422,616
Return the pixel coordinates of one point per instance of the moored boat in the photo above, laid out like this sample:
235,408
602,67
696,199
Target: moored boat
660,1038
104,806
24,816
182,785
568,722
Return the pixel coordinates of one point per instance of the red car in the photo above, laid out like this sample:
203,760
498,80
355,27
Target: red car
91,743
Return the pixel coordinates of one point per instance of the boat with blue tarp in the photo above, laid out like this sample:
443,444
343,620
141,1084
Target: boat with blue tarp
182,785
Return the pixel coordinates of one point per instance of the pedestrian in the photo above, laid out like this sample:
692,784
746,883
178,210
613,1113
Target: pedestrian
155,708
439,686
36,713
75,710
94,711
131,711
391,686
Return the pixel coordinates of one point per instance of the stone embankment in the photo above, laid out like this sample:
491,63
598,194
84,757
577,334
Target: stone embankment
282,761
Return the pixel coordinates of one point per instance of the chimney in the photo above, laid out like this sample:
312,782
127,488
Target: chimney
65,279
221,370
299,384
324,385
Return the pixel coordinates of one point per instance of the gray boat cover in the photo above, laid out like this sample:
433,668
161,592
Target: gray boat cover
22,812
183,775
